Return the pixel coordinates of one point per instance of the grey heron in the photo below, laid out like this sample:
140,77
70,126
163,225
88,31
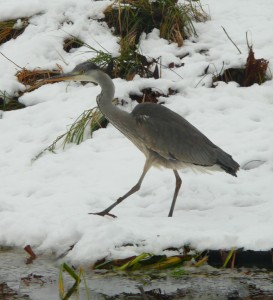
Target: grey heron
165,138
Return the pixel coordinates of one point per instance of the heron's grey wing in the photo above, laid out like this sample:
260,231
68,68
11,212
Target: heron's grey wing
172,137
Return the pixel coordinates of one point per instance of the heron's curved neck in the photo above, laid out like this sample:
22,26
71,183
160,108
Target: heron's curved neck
116,116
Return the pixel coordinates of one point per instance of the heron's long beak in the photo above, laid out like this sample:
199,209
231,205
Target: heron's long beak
70,76
64,77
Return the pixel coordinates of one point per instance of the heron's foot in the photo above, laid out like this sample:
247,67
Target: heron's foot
103,213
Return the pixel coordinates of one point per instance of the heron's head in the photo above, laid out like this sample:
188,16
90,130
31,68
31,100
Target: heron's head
86,71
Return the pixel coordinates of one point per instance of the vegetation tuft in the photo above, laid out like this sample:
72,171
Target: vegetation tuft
130,18
126,65
254,71
63,295
33,79
88,122
130,63
11,29
147,261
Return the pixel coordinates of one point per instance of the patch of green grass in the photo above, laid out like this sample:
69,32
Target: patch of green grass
145,261
91,119
178,272
77,277
127,64
88,122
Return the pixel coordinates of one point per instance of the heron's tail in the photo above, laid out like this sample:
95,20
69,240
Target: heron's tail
227,163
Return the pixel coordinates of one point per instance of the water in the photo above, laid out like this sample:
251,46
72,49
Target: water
39,281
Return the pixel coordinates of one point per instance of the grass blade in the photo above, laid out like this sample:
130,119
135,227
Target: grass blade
71,272
61,283
230,254
132,263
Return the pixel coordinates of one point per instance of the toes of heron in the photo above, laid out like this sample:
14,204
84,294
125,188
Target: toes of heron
103,213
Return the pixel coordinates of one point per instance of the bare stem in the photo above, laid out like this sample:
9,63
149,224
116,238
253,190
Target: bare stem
10,60
231,40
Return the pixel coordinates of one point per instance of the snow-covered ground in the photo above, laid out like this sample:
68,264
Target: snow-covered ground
46,203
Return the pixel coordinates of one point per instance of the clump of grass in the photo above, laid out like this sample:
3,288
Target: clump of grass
130,62
88,122
149,261
175,21
92,119
11,29
33,79
130,18
253,72
126,65
255,69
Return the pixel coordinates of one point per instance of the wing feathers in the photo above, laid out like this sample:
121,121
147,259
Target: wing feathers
172,137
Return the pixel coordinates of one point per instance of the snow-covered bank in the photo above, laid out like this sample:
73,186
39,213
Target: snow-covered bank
46,203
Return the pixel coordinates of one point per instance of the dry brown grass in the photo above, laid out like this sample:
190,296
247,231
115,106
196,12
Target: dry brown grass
11,29
253,72
33,79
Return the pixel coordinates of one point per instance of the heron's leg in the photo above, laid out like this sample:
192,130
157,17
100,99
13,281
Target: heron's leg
134,189
178,182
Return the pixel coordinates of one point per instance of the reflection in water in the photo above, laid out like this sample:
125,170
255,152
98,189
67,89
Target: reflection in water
39,281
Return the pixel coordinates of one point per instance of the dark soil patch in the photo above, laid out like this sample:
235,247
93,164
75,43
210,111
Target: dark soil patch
71,43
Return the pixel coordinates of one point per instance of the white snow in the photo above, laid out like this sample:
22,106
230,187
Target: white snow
46,203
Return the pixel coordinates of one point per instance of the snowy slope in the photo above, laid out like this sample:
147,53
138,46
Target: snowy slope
46,203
